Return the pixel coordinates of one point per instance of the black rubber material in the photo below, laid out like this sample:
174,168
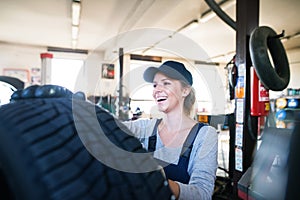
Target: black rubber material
42,156
263,39
17,83
218,10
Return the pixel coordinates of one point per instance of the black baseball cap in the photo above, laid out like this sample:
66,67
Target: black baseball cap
171,69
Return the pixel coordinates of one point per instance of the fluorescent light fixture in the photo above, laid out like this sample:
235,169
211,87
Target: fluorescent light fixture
208,15
289,37
74,44
189,26
192,25
75,31
76,8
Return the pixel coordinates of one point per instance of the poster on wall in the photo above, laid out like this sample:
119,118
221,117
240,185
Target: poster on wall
35,76
22,74
108,71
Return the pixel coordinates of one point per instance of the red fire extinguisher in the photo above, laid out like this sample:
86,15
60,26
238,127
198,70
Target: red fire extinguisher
260,102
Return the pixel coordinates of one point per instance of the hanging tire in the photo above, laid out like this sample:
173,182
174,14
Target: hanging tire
42,156
263,39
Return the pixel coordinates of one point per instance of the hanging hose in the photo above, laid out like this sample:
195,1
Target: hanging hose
220,13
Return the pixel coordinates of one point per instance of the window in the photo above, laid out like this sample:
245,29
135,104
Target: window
64,72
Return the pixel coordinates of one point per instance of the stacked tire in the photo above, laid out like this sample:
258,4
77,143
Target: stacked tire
43,157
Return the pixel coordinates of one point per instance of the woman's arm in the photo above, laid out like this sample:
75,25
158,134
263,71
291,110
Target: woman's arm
174,186
202,167
141,129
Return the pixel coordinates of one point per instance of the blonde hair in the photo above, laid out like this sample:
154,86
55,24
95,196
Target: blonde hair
189,100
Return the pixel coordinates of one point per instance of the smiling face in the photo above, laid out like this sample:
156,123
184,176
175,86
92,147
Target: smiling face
168,93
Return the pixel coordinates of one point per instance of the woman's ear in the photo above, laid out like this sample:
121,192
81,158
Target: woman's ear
186,91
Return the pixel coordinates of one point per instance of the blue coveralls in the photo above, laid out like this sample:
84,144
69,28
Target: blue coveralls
177,172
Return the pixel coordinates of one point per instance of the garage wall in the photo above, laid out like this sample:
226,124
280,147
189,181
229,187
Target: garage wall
20,57
28,57
24,57
294,61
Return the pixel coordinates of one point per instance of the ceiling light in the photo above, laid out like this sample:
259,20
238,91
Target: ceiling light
76,8
74,44
189,26
75,31
192,25
288,37
206,17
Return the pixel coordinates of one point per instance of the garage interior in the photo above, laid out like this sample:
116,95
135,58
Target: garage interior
42,42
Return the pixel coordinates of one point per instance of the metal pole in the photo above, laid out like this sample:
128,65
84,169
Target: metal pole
247,21
46,68
121,112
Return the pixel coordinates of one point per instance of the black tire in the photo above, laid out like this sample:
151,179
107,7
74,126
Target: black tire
261,39
17,83
42,156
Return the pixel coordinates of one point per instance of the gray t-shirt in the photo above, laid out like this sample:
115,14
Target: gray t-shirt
202,165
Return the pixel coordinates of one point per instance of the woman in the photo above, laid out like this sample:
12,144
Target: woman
185,148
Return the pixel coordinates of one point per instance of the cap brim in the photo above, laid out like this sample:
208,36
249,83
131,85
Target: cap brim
150,73
168,71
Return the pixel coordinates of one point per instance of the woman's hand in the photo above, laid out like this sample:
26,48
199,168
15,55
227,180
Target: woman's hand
174,188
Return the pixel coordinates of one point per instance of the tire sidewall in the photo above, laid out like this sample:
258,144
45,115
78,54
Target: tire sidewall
16,164
263,39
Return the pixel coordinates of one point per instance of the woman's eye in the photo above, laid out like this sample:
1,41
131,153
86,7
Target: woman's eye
167,83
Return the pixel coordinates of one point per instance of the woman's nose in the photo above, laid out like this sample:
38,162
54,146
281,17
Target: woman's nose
158,87
157,90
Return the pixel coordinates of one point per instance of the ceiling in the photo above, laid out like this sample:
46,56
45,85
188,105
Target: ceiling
47,23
